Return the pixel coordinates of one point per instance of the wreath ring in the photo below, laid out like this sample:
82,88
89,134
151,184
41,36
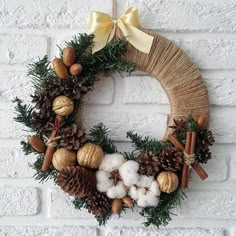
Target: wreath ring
90,167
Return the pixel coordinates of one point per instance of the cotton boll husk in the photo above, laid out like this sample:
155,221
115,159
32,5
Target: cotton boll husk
145,181
111,162
117,191
103,181
155,188
149,199
128,173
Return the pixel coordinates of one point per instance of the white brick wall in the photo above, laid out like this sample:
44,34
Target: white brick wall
205,29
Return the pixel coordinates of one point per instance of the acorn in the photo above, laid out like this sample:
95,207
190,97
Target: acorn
69,55
60,68
36,143
201,120
116,206
127,201
76,69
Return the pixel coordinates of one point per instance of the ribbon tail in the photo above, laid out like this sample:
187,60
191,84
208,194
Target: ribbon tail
136,37
102,38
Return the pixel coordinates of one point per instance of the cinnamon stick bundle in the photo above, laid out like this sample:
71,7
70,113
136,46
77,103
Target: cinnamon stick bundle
51,148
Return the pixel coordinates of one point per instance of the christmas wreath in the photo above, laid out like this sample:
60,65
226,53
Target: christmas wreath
87,164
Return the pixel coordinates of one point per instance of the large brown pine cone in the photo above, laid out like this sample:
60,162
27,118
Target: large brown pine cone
148,164
77,181
98,203
170,159
72,137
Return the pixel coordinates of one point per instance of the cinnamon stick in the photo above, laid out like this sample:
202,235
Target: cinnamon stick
186,169
50,148
176,142
199,170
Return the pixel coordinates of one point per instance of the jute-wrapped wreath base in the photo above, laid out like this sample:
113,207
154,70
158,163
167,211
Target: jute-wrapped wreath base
87,164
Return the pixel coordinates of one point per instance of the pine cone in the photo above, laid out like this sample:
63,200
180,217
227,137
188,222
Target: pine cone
148,164
72,137
98,203
170,159
205,137
77,181
203,155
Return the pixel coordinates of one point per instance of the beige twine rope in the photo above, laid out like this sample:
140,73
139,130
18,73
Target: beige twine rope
189,159
176,73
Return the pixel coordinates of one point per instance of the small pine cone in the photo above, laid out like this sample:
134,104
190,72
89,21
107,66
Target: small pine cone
170,159
203,155
148,164
72,137
98,203
205,137
77,181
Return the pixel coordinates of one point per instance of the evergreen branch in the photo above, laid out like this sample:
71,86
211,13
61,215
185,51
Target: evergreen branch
145,144
79,202
99,135
103,218
43,176
40,72
161,215
192,124
23,113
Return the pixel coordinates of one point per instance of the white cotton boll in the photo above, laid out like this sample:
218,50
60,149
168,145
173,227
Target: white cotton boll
133,193
103,181
155,188
117,191
128,173
141,192
145,181
149,199
111,162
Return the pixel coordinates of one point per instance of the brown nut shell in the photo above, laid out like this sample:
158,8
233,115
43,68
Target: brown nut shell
62,106
116,206
69,55
90,155
127,201
63,158
168,181
60,68
37,143
201,120
76,69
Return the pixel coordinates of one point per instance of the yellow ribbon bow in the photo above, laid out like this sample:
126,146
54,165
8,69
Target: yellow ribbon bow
104,28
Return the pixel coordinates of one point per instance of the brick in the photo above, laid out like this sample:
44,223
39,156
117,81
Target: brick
148,124
103,92
181,15
209,205
223,128
13,163
218,164
221,90
62,14
21,49
214,53
143,89
15,84
233,165
19,201
60,206
140,231
47,231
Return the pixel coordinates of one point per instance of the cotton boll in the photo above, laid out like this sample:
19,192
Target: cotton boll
112,162
103,181
128,173
145,181
149,199
133,193
155,188
117,191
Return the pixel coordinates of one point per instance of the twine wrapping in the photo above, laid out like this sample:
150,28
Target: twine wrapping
189,159
51,142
